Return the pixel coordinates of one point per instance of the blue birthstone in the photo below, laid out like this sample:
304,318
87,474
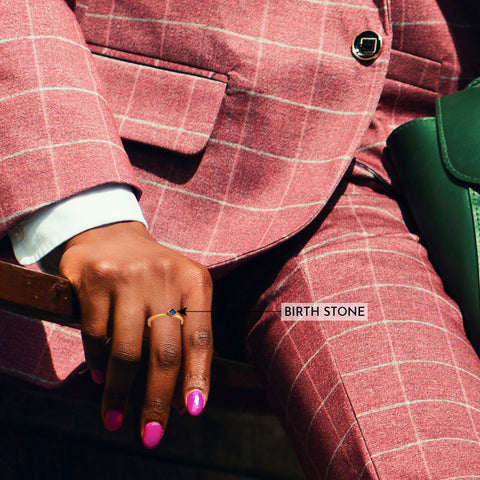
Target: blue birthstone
172,312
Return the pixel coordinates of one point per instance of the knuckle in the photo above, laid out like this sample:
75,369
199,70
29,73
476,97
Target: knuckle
93,340
197,380
165,266
104,272
101,269
200,339
127,365
92,334
199,278
158,408
203,277
126,354
98,277
168,355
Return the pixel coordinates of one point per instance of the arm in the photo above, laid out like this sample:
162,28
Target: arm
60,139
58,135
122,276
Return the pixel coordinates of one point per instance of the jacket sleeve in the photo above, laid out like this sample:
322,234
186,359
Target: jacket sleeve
57,135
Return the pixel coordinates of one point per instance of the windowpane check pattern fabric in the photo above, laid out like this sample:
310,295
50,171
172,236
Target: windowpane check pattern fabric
394,398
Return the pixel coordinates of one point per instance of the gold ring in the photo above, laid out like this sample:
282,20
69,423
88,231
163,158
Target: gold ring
171,313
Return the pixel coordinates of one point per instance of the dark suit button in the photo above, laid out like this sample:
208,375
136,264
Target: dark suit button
367,46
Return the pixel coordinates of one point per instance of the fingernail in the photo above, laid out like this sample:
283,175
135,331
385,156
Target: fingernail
98,376
195,402
113,420
152,434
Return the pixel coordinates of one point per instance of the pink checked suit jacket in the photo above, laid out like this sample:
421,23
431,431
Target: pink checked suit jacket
243,115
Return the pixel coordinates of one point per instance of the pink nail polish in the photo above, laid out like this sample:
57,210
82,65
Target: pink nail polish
195,402
152,434
113,420
98,376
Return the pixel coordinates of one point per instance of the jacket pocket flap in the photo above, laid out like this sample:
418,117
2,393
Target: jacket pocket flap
167,109
458,128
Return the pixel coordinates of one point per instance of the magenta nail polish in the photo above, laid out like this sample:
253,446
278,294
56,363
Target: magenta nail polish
195,402
98,377
152,434
113,420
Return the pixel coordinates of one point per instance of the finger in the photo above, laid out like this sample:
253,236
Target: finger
164,366
95,314
198,351
177,401
125,354
96,356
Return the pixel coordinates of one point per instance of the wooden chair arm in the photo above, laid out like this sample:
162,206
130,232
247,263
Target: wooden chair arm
48,297
38,295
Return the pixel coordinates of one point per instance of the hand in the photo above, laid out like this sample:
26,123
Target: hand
122,276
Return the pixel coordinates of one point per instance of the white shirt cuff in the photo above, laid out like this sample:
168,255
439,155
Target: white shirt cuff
51,226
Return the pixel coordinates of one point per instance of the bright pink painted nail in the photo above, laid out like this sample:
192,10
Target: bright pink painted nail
195,402
98,376
152,434
113,420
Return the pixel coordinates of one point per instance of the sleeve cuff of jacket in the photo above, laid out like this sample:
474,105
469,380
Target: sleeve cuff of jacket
51,226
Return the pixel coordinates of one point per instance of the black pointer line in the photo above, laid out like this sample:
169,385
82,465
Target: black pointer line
183,311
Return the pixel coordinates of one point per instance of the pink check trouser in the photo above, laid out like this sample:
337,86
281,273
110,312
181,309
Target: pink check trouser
393,397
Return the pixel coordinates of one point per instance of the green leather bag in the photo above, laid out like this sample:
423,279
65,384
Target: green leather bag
437,165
